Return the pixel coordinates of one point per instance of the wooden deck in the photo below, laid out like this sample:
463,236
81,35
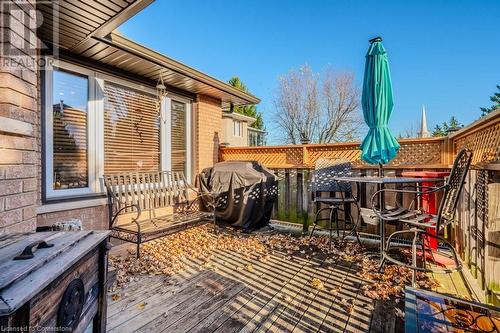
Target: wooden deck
243,294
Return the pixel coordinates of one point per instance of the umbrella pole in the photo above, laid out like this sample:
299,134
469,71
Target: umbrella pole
381,205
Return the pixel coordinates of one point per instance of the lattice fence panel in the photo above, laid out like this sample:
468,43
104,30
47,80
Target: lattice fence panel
273,157
424,152
484,143
349,152
419,152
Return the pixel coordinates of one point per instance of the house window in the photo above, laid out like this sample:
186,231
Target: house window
131,130
255,138
70,98
70,115
237,128
97,124
178,134
251,139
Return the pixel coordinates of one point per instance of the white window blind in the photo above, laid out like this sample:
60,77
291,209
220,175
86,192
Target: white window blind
131,130
178,133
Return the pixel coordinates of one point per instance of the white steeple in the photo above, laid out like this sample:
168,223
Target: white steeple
423,133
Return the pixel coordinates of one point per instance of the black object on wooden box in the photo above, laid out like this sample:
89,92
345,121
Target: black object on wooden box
53,281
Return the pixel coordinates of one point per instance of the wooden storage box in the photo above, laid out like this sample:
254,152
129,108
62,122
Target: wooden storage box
58,286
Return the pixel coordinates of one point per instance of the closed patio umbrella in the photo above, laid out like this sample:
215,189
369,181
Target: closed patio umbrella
379,145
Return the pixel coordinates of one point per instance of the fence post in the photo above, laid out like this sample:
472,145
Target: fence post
305,156
492,234
447,151
221,153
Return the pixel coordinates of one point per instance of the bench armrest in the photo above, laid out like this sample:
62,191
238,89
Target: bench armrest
115,216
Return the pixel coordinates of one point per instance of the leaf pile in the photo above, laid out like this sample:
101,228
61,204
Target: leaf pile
170,255
390,282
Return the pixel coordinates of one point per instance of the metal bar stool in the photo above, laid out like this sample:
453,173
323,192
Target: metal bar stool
420,222
322,182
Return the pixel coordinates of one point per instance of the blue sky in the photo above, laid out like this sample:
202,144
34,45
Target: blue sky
444,54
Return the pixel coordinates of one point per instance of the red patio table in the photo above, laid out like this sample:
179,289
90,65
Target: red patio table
429,204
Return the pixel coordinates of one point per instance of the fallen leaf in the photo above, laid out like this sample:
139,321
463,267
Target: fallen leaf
317,283
335,290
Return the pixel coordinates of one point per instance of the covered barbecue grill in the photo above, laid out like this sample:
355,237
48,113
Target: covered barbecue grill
245,192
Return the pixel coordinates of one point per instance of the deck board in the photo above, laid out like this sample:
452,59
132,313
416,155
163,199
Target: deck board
337,317
242,293
319,306
257,310
294,312
288,299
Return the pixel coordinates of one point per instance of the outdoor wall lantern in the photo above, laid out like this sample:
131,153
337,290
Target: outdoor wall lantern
161,92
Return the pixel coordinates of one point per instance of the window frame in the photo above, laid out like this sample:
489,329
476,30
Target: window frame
237,124
50,192
166,136
255,138
95,130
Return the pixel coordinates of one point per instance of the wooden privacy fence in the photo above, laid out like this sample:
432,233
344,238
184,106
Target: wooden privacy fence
476,234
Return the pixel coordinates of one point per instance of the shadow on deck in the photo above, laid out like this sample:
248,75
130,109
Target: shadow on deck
239,293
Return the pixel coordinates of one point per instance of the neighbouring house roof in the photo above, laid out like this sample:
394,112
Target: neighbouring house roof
238,116
100,44
258,130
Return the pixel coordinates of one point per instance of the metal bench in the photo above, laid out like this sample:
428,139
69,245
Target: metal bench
147,206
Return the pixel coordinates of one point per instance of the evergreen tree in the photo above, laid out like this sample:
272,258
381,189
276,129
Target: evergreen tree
438,131
445,127
452,125
247,110
496,103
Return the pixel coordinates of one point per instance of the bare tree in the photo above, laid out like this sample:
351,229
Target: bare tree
409,132
317,108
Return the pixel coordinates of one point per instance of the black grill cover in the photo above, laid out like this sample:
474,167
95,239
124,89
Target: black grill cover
247,192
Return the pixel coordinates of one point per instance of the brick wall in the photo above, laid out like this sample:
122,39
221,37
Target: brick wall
19,128
208,131
92,218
